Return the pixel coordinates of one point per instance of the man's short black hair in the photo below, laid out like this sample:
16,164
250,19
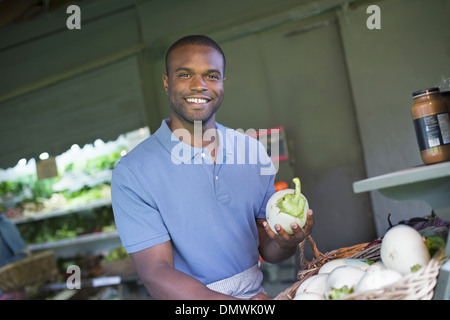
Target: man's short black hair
200,40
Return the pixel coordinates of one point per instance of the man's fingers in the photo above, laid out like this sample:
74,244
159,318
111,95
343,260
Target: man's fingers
307,228
268,229
281,233
309,222
298,232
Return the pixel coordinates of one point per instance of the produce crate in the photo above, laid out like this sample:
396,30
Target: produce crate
35,269
418,285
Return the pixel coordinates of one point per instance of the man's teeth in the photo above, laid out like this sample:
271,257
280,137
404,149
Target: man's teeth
196,100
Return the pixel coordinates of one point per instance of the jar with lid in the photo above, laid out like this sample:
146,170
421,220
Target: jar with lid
445,91
432,125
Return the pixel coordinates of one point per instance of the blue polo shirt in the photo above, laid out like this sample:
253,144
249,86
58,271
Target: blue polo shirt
164,189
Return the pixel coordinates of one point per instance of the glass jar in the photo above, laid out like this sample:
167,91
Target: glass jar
444,88
432,125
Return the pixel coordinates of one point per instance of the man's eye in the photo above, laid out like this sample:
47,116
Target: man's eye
183,75
213,76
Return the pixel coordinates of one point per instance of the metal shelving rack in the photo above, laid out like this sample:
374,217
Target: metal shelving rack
93,242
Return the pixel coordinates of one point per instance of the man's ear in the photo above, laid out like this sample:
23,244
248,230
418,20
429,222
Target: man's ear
166,83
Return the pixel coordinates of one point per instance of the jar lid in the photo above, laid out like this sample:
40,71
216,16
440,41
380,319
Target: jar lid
425,91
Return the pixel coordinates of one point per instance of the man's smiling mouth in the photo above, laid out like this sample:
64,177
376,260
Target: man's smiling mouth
197,100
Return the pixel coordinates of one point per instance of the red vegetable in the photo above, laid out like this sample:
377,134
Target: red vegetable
281,185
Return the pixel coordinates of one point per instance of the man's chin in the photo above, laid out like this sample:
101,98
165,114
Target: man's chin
196,115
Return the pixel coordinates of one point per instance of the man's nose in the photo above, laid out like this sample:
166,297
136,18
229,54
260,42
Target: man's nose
198,84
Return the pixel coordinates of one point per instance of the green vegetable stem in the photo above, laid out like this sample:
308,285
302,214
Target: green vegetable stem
293,204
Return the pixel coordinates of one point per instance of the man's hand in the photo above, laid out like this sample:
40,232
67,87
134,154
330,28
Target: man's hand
275,248
286,240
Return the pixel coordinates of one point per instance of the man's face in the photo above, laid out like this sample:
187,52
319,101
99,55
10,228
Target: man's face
194,83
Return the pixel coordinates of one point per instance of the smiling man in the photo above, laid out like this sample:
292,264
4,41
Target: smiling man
195,85
196,229
194,82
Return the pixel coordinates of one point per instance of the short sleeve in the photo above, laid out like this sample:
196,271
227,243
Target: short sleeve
138,221
268,171
269,192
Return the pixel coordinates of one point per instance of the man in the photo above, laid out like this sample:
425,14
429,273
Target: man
189,213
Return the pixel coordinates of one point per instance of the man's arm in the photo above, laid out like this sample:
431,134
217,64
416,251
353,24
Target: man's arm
155,268
275,248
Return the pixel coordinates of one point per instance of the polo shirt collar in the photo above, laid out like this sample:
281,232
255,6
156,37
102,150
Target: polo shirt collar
170,141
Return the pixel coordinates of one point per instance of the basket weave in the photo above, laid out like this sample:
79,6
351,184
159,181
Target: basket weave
32,270
416,286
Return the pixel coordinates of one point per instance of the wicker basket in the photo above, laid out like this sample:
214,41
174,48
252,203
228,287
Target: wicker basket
416,286
35,269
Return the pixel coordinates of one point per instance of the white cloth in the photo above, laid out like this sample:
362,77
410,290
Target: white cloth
243,285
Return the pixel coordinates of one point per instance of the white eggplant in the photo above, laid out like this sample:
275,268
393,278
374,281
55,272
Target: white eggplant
342,280
308,296
287,206
377,279
314,284
404,250
333,264
379,265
